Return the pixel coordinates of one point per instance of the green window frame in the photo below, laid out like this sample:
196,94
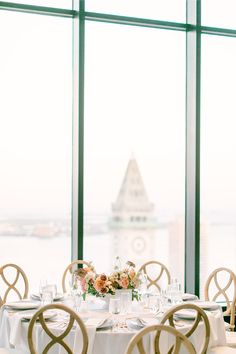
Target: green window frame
193,29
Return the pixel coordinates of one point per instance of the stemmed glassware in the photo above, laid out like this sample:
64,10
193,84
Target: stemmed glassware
175,293
143,288
155,303
47,292
75,292
114,309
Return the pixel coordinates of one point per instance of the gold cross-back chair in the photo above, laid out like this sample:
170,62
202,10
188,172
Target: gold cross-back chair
12,285
155,272
218,285
70,269
73,318
179,339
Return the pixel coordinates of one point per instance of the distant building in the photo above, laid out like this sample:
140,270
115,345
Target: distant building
132,222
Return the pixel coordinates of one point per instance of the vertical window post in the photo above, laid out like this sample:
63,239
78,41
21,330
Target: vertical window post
192,215
78,131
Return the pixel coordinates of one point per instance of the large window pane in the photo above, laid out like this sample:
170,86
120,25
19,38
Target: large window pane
168,10
35,144
219,13
218,172
134,146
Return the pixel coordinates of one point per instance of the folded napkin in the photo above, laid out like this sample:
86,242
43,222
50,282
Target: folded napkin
15,322
15,329
139,322
91,326
95,321
217,333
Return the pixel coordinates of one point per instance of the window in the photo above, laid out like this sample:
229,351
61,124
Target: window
219,13
218,172
132,154
168,10
65,4
134,81
35,144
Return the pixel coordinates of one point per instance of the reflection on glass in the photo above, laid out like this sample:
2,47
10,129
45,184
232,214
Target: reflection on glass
169,10
134,146
35,144
218,172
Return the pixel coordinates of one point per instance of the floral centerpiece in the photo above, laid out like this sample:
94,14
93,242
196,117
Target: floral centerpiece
102,284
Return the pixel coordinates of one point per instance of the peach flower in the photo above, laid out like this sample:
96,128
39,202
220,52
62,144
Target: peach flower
104,290
83,285
99,284
124,281
103,277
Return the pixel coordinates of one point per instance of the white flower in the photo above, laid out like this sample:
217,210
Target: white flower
89,275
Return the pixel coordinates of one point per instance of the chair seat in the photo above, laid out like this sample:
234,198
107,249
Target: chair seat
231,339
222,350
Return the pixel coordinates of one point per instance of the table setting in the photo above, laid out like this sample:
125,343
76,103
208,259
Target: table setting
113,308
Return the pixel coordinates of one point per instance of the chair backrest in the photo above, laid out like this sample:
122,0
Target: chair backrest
11,286
198,314
70,269
221,290
179,340
73,317
160,272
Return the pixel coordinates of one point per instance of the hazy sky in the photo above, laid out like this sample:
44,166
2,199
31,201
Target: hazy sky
134,104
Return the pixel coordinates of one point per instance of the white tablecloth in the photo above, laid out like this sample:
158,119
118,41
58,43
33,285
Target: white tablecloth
13,334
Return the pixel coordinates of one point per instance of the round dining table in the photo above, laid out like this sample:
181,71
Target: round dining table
107,333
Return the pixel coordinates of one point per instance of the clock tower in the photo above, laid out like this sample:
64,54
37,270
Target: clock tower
132,222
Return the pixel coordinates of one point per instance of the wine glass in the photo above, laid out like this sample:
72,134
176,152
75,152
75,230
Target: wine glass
114,309
143,289
42,284
125,302
155,303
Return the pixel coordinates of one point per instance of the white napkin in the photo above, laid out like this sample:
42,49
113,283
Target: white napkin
91,326
217,334
15,329
95,322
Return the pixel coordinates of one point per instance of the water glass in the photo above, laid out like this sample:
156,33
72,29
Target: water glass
114,306
52,288
46,298
143,283
163,300
175,293
42,284
83,306
76,296
155,303
125,302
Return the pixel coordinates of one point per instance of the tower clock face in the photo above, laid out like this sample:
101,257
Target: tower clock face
138,244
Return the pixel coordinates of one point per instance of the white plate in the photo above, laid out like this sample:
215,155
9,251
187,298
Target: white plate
208,305
22,305
186,314
46,315
189,297
56,298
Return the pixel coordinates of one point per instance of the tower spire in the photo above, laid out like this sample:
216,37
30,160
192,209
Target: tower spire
132,207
